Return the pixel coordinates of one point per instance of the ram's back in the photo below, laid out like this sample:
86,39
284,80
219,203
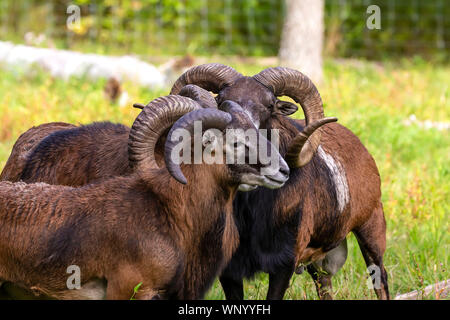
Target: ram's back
25,145
73,156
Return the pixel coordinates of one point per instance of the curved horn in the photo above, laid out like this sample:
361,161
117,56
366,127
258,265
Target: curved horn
212,77
210,118
298,144
202,96
288,82
150,124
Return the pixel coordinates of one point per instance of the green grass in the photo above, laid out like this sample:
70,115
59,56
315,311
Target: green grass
370,99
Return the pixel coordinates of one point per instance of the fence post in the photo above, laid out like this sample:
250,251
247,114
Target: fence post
415,23
228,22
342,27
50,21
440,42
250,25
3,17
182,24
159,23
391,24
205,23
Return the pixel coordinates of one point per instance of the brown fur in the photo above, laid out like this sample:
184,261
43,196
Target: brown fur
320,228
308,199
163,245
72,156
362,175
174,245
25,145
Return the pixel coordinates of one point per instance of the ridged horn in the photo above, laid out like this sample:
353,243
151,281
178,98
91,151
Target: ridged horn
212,77
202,96
298,143
294,84
210,118
158,116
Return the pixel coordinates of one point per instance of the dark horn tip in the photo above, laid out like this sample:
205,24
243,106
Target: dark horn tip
330,119
179,177
138,106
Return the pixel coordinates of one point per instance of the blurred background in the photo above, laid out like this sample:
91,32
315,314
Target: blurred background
228,27
381,66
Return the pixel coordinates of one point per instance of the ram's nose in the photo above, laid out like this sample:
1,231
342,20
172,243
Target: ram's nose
284,168
278,179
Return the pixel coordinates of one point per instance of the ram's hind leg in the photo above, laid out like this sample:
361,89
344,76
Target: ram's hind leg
322,271
128,283
371,238
322,281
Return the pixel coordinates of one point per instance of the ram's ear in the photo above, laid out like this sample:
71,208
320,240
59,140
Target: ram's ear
285,108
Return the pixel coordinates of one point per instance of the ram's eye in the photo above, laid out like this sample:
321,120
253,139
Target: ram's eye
273,106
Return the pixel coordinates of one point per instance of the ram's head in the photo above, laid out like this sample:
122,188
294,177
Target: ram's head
258,96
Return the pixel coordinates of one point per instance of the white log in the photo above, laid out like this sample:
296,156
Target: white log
440,290
65,64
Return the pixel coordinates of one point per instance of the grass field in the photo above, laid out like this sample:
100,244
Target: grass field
370,99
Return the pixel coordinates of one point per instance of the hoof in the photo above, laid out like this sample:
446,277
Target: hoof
300,269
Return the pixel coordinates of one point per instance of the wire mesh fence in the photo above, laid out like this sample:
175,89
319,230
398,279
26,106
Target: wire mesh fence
238,27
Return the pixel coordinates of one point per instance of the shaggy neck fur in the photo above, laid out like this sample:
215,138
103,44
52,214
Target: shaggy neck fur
270,221
202,213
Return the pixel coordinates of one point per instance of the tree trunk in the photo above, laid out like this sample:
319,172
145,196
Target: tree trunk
302,37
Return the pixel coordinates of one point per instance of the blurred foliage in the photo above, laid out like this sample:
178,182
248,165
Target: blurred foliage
408,27
239,27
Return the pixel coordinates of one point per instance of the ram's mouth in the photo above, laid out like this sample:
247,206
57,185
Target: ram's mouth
263,181
273,183
247,187
252,181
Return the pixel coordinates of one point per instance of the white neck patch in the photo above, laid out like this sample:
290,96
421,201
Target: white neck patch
338,176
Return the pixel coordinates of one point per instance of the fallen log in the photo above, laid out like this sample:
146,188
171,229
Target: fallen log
440,290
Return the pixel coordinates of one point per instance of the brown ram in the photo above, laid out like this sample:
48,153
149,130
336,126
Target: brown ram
130,230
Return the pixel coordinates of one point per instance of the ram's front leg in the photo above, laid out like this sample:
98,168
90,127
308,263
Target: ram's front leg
3,294
279,282
233,289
